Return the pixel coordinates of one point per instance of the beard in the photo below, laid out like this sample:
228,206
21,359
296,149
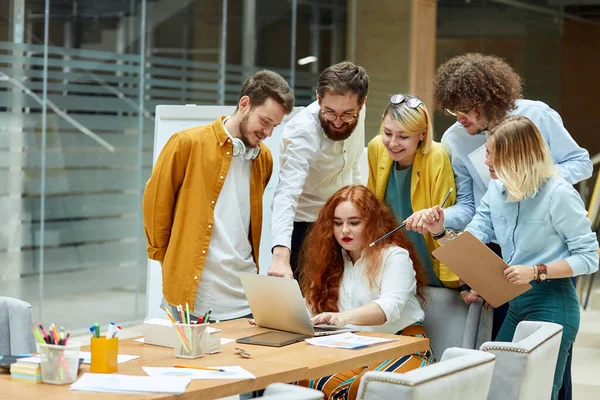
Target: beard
337,134
244,131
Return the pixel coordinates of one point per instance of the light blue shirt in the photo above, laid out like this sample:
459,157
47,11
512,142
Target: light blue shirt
548,227
573,161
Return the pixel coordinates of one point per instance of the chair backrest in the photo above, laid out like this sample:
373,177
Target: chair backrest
16,321
449,322
525,367
291,392
461,374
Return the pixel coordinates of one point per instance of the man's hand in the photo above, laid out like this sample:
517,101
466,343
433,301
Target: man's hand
280,266
472,296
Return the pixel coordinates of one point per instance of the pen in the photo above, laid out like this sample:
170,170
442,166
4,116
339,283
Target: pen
44,333
66,338
207,316
404,224
187,313
196,367
37,335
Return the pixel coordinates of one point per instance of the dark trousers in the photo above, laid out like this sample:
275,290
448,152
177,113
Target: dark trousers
500,312
298,235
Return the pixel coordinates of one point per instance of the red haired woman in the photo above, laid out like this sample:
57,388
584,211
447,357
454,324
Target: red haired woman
347,282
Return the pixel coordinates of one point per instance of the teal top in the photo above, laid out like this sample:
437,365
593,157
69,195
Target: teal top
397,197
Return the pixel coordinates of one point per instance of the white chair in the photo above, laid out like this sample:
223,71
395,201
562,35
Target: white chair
525,366
461,374
449,322
291,392
16,321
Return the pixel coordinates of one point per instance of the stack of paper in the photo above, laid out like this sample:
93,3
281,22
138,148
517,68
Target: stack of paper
26,372
116,383
346,341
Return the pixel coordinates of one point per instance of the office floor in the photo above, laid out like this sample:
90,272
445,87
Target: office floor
586,353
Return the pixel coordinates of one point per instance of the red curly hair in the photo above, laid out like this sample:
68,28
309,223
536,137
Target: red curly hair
321,256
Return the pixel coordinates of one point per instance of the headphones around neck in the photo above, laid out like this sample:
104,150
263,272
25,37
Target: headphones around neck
240,149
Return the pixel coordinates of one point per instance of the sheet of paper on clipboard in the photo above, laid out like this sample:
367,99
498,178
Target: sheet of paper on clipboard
477,158
480,268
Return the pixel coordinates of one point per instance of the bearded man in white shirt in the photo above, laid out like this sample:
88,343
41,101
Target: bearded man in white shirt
320,149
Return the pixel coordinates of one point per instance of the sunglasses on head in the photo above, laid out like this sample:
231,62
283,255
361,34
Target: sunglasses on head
411,101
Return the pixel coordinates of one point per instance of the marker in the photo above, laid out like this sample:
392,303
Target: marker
111,330
96,330
187,313
207,316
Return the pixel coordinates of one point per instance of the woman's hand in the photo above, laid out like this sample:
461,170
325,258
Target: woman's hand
329,318
414,223
519,274
429,220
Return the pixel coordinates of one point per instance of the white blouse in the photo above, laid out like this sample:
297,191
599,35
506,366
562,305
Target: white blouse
395,291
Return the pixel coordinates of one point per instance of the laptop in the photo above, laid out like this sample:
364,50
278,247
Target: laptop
277,303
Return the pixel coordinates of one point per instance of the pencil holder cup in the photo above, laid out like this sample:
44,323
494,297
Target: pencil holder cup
104,354
59,364
193,340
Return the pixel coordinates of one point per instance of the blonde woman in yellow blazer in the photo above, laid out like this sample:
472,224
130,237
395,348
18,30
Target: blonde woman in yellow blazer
403,155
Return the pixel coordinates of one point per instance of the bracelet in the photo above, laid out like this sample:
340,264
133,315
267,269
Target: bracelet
464,287
438,236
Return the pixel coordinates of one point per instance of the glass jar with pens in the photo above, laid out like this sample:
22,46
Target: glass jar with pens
193,337
59,357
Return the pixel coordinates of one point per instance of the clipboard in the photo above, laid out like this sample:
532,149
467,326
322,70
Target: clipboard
480,268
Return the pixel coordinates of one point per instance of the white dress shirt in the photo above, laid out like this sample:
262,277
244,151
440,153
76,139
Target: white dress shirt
229,251
395,291
312,168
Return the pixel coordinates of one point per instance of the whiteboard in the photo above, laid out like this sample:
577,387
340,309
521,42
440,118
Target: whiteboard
171,119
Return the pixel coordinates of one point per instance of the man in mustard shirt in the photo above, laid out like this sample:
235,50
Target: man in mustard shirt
203,203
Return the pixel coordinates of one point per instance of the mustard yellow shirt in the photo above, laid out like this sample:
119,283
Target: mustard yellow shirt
431,178
179,203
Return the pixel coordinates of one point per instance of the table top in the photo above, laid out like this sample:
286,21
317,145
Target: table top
269,364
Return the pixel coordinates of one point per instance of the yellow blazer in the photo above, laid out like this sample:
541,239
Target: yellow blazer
179,204
431,178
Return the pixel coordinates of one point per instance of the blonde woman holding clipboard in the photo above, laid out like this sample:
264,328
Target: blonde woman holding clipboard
541,225
411,172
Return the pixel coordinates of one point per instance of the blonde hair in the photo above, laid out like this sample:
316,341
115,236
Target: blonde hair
520,157
412,121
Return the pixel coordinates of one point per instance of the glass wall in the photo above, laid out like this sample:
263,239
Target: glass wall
77,123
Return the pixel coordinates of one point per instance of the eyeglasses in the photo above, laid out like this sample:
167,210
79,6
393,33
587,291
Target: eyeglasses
241,352
411,101
458,112
331,116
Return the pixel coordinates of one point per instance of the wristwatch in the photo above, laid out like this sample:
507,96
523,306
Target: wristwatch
542,273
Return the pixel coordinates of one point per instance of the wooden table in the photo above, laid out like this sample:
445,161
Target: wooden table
269,364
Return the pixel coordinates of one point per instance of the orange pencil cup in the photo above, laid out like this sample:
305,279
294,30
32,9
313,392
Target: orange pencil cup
104,354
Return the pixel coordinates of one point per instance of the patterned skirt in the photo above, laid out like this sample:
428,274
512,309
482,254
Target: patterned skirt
344,385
